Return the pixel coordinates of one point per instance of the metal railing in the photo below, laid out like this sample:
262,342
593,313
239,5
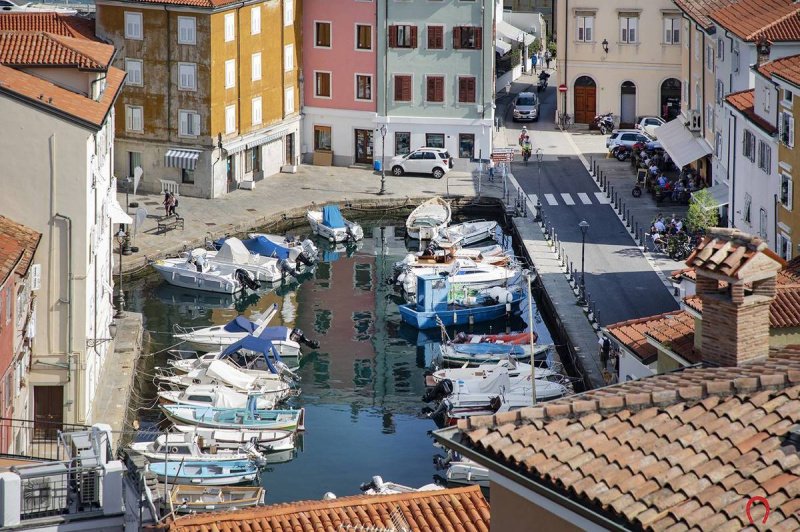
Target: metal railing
33,438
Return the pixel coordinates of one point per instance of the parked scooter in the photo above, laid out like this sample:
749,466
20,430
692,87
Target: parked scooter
621,153
543,77
605,123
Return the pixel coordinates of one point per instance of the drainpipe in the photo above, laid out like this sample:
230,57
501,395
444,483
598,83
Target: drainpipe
688,80
169,75
68,220
566,53
731,207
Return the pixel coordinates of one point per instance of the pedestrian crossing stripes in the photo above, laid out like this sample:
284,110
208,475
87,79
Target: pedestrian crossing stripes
572,199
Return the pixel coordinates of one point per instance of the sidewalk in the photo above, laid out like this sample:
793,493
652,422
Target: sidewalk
286,196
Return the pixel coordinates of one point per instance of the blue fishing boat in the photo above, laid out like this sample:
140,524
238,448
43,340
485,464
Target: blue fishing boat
249,417
205,473
432,307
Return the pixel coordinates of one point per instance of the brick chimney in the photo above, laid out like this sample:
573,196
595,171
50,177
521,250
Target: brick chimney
736,281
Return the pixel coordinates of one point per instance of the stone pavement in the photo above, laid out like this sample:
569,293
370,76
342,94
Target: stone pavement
287,195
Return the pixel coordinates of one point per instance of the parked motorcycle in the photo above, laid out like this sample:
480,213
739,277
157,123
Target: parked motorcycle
621,153
543,77
605,123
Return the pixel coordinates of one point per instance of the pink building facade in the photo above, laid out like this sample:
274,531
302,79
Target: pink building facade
340,83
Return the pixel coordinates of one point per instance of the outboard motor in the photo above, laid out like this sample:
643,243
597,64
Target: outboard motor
495,403
285,267
298,336
442,389
310,249
303,259
375,484
245,279
439,415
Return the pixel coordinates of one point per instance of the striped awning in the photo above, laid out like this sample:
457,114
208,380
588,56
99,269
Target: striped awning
179,158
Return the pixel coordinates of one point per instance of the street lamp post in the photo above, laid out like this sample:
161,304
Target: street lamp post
529,276
121,237
584,227
383,131
539,157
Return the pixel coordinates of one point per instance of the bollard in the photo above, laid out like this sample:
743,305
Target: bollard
628,218
569,270
636,230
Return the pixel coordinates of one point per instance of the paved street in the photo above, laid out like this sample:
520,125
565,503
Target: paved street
619,278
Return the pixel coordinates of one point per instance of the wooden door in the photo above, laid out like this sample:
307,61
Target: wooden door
48,411
363,146
585,104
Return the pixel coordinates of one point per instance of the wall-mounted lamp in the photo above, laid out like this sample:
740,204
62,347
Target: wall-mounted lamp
605,45
112,333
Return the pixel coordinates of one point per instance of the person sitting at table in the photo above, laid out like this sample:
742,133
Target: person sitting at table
676,193
662,181
653,168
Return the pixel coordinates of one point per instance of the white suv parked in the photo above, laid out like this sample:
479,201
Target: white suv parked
434,161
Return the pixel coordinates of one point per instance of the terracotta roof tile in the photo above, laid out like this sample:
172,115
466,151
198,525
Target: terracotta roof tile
743,101
751,20
692,462
48,95
463,509
699,10
18,244
49,22
192,3
673,329
28,49
728,252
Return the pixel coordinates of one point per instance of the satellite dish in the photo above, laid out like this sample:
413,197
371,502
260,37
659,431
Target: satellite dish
139,217
137,176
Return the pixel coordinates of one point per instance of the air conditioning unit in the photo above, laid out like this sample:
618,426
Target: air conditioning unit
44,489
694,122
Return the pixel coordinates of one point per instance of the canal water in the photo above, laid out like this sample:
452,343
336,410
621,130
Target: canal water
361,388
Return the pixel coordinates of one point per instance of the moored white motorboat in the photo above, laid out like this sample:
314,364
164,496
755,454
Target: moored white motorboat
185,446
425,222
192,270
377,486
466,233
443,257
329,223
249,418
261,268
219,372
266,440
463,272
516,371
483,353
462,471
214,395
295,250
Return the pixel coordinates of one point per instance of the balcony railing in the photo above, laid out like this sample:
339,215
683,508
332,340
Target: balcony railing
57,488
34,438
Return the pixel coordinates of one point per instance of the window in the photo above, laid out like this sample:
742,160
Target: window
762,223
434,140
787,95
710,57
288,105
585,26
402,36
720,91
402,88
697,46
363,37
187,30
749,145
322,34
435,37
735,57
628,29
434,89
718,144
672,31
363,87
188,123
133,25
255,20
134,69
187,76
230,27
709,117
322,138
252,160
786,191
322,84
748,202
256,111
187,176
230,73
467,38
134,160
255,66
230,119
720,49
288,58
288,12
466,89
402,143
764,156
786,126
784,246
765,98
134,118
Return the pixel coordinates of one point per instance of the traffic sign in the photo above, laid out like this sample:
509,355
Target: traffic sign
562,88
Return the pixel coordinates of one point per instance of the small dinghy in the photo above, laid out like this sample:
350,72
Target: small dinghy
235,418
425,222
516,371
214,395
377,486
192,270
465,234
196,499
462,471
329,223
474,354
205,473
185,446
268,441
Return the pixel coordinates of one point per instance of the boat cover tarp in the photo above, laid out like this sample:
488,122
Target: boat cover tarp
229,375
240,324
262,245
233,251
489,349
332,217
258,345
278,332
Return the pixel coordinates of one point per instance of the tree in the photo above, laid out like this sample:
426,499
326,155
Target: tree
551,47
535,47
516,57
702,211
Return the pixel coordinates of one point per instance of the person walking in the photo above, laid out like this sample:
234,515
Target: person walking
534,61
491,169
165,203
508,88
547,58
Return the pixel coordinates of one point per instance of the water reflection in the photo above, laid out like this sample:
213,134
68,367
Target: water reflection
361,388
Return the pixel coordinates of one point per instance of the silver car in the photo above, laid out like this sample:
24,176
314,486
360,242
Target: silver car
626,137
526,107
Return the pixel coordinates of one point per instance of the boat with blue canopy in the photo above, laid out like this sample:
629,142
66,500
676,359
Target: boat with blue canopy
205,473
329,223
296,252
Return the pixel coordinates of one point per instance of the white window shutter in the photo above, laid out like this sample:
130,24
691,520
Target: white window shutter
195,123
36,276
128,118
791,131
589,28
184,126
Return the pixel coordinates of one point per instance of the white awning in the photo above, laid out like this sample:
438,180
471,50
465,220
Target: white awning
252,141
513,33
180,158
117,213
264,139
681,144
501,47
720,194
